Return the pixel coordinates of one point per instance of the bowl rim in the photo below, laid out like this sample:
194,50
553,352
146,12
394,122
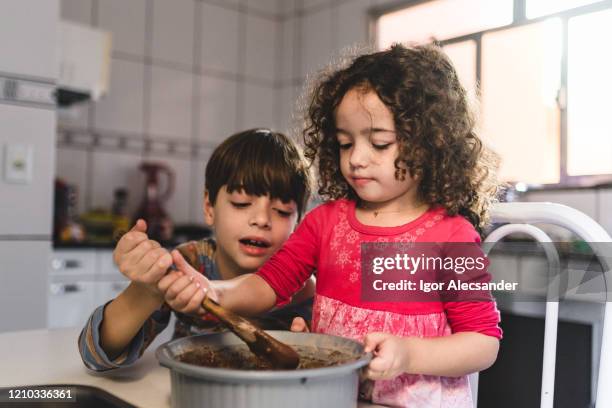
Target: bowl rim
232,375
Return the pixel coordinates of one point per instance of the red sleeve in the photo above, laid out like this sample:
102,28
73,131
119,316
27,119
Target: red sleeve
473,316
288,269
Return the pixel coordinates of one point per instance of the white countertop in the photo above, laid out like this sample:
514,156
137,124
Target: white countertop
37,357
40,357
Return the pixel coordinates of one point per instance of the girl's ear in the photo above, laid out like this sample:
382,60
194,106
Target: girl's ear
209,210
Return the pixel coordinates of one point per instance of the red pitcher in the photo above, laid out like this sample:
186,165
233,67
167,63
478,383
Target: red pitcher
159,224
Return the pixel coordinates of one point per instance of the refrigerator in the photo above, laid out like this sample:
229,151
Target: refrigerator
28,76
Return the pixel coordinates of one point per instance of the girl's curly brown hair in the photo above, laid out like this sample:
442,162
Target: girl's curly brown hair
434,124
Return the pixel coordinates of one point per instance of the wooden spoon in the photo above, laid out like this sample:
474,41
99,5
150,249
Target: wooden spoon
278,354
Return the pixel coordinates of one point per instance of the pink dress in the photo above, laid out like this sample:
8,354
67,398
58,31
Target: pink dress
329,241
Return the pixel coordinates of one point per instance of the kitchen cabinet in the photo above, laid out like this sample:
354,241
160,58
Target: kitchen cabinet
80,281
70,303
22,284
66,263
28,32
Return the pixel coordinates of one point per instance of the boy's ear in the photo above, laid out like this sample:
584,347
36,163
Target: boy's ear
209,211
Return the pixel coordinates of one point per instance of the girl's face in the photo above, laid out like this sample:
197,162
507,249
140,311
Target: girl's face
365,130
248,229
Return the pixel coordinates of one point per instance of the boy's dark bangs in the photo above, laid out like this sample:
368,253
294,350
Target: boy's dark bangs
259,162
268,167
266,174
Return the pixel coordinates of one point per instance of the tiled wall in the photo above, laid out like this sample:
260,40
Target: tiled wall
188,72
192,72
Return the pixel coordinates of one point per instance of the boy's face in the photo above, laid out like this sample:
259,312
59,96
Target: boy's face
248,229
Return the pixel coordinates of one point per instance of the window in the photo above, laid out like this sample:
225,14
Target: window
538,8
542,85
519,115
589,86
452,19
463,55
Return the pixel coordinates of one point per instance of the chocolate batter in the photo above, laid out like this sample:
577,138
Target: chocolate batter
240,358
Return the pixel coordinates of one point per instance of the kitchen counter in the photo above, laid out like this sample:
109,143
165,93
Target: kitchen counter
38,357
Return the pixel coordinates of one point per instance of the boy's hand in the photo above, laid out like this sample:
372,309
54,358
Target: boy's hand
141,259
389,355
185,289
299,325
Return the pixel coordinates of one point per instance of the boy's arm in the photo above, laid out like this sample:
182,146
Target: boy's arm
97,359
143,261
124,317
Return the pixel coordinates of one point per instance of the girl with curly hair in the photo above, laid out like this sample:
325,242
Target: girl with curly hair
398,161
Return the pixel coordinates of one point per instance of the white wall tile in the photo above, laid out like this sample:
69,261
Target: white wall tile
582,200
261,48
171,103
288,49
316,42
352,23
287,7
197,189
114,170
219,42
605,209
77,10
76,115
126,20
173,31
229,4
122,109
384,2
287,108
218,101
71,166
310,4
179,203
259,106
266,6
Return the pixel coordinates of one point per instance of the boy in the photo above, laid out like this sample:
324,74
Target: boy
256,190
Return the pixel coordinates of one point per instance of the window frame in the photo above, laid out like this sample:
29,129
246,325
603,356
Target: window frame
520,19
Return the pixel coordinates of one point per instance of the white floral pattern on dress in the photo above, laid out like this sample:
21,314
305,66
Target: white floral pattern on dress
331,316
352,237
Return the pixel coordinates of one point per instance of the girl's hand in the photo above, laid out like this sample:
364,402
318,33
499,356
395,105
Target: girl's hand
142,260
185,289
299,325
389,355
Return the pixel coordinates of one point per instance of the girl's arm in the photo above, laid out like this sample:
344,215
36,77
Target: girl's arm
248,296
450,356
184,290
